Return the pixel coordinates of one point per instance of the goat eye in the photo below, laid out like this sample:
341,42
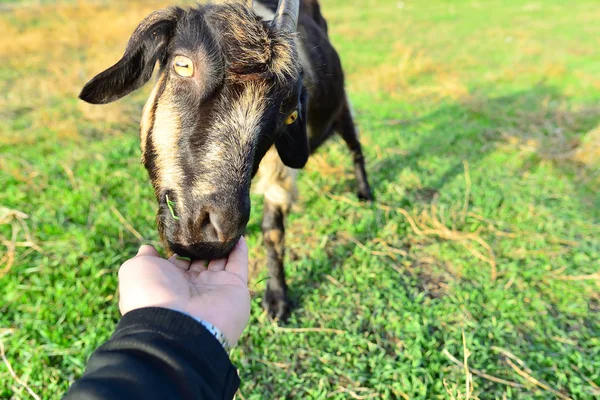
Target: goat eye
292,118
183,66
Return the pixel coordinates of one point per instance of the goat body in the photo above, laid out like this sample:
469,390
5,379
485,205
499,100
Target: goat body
328,112
236,96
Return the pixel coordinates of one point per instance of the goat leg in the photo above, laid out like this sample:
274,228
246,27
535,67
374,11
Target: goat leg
275,299
345,127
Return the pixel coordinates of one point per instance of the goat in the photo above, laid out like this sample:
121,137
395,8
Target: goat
243,89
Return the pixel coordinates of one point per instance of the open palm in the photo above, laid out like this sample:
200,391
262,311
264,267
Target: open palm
216,293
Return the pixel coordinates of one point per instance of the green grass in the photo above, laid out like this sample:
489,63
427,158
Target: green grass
481,123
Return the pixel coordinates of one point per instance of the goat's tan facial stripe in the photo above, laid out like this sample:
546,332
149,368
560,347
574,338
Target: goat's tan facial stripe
246,113
147,114
165,139
242,120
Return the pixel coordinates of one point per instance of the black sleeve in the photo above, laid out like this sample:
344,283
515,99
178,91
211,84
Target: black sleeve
157,353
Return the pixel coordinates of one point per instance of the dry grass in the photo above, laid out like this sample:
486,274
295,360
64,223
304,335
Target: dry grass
353,393
20,237
305,330
522,370
454,392
387,250
589,277
21,170
13,374
318,162
481,373
525,372
126,223
552,128
51,58
397,78
588,150
53,50
430,223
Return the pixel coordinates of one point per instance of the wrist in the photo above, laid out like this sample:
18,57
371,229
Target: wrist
214,331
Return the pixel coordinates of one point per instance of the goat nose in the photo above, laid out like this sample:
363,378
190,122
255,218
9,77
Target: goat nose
220,226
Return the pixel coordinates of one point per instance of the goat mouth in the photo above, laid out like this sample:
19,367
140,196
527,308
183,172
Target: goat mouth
204,250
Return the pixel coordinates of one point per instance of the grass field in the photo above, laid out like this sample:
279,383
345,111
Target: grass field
481,126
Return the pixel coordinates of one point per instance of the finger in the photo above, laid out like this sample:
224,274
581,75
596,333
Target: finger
148,251
217,265
198,266
237,263
180,262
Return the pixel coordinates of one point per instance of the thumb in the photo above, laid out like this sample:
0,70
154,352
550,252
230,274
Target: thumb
147,251
237,263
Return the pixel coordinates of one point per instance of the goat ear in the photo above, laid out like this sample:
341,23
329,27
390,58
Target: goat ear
147,45
292,145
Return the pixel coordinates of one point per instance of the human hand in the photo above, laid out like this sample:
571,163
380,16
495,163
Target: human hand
217,294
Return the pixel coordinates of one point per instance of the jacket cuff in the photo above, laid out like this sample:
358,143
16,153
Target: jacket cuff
184,331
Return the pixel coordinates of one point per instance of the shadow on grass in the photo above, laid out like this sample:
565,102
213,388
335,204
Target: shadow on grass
540,124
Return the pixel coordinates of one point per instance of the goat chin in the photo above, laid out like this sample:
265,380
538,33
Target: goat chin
204,250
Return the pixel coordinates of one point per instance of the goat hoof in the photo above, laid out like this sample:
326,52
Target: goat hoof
366,196
277,305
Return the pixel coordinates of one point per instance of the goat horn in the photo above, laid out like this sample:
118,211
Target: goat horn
286,16
249,3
